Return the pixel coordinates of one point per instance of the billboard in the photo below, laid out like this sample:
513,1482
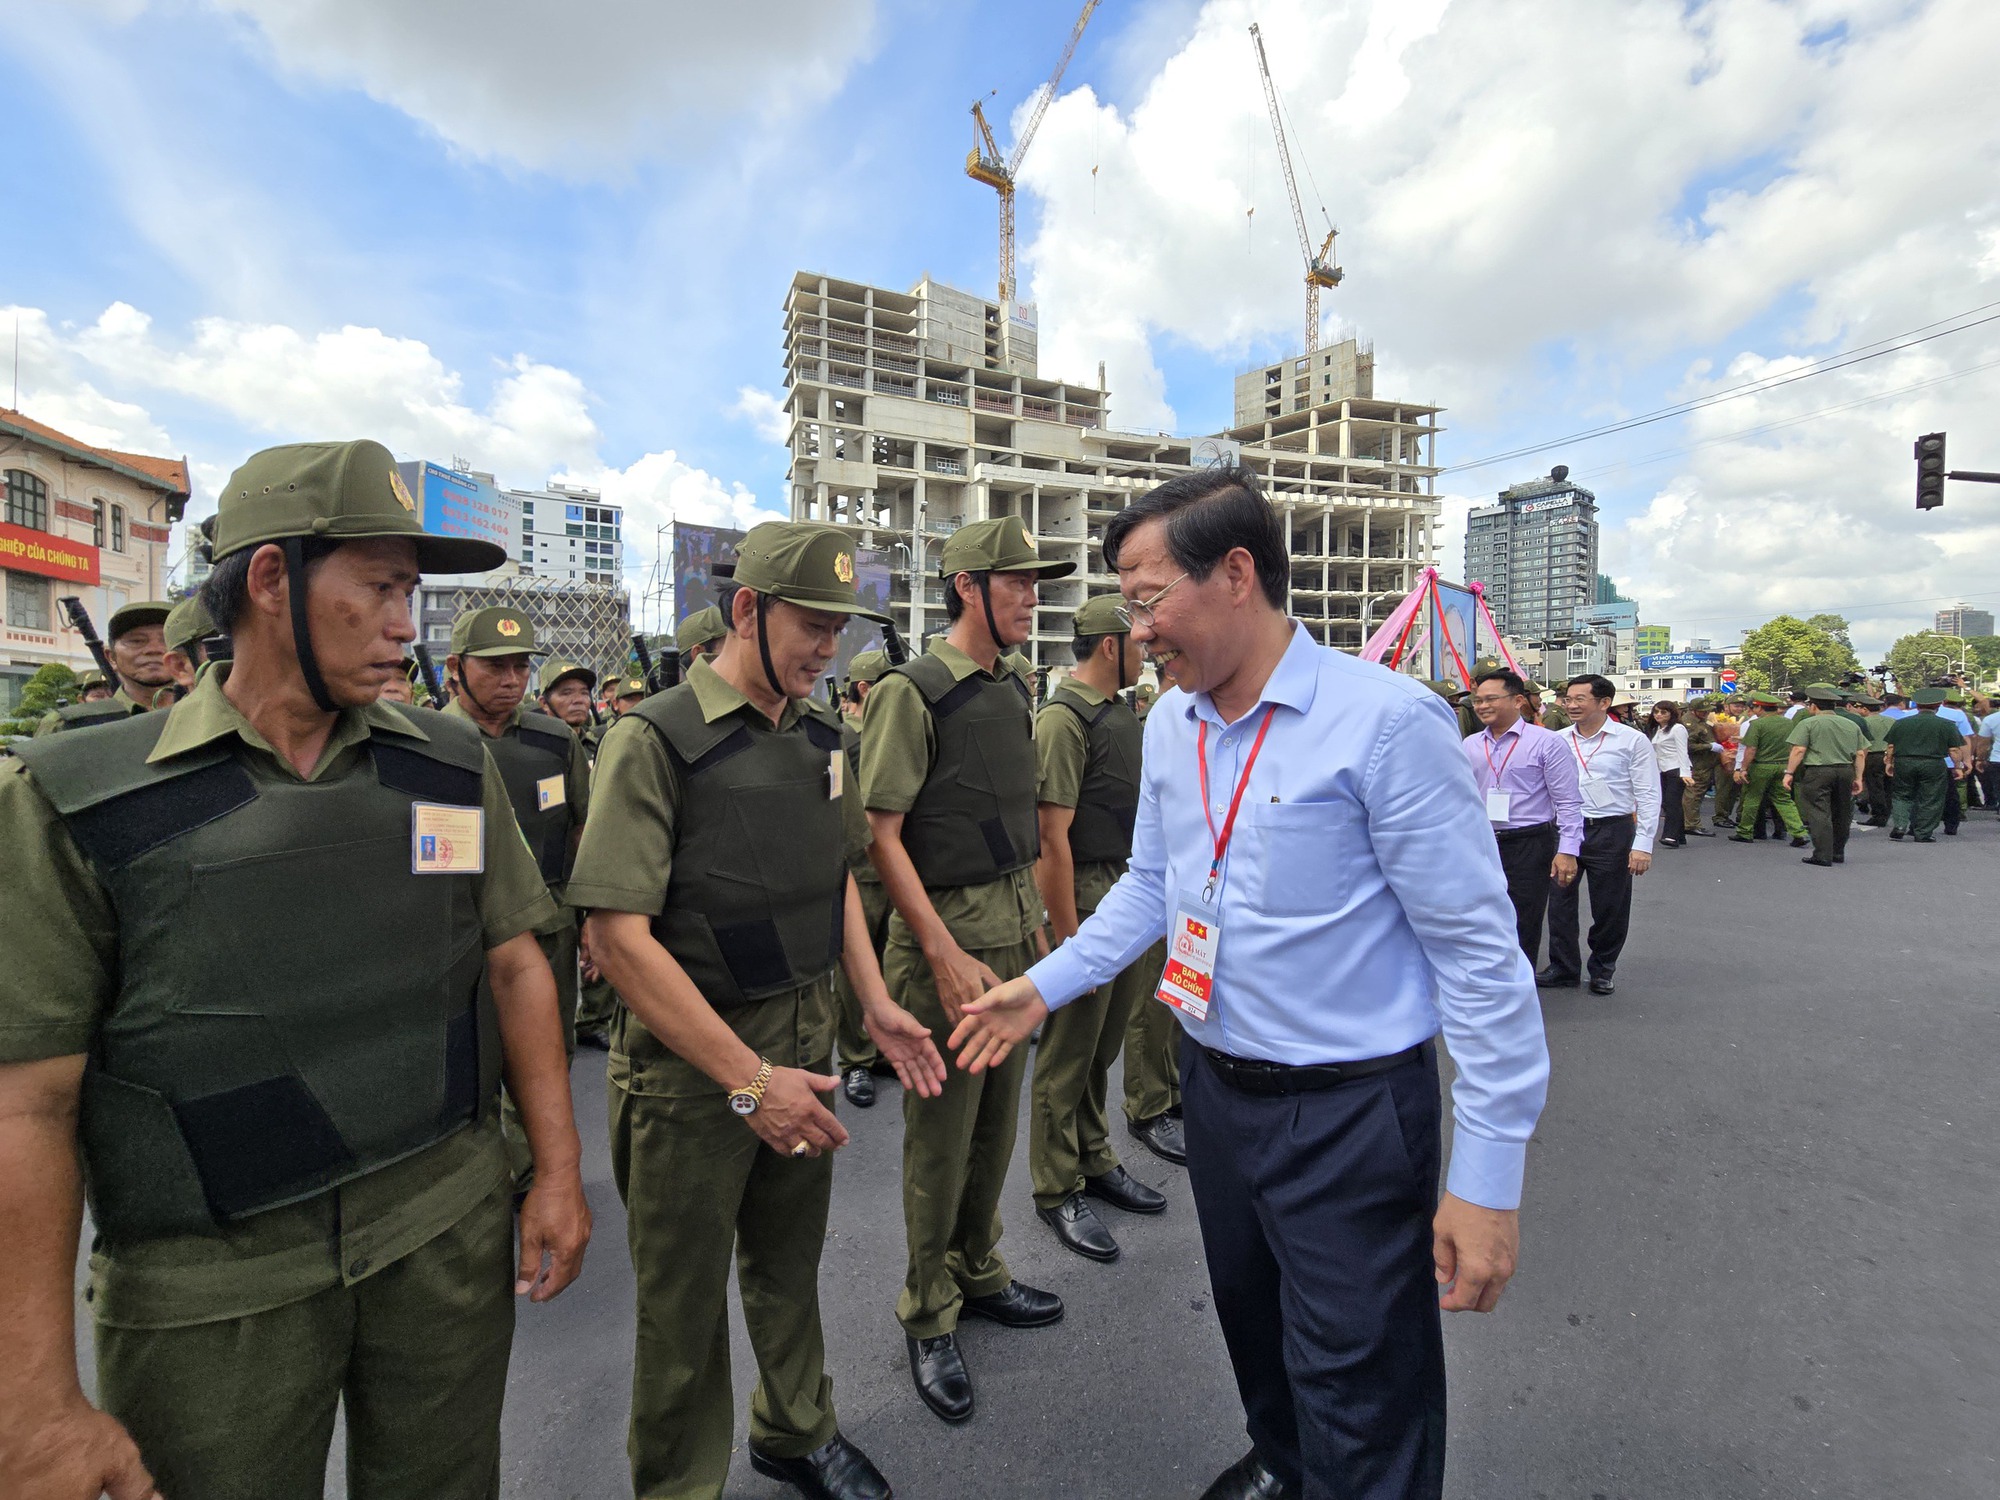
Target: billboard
1681,661
452,502
698,549
28,551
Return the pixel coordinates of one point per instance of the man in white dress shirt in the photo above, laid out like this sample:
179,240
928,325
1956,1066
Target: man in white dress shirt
1620,780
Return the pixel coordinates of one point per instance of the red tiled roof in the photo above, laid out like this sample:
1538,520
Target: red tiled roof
168,474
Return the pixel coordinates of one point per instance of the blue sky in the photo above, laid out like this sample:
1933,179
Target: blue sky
561,236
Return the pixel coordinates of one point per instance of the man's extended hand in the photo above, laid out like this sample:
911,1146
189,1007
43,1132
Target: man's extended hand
906,1043
1563,869
960,977
791,1112
77,1453
1638,863
996,1025
1473,1251
555,1228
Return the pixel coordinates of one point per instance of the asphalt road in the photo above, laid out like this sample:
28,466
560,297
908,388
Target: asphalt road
1754,1256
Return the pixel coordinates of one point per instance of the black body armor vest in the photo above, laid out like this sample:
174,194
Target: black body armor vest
1107,803
974,821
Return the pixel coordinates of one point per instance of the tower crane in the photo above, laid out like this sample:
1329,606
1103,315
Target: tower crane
1320,269
983,163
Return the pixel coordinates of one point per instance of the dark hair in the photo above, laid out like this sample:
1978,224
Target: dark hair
1511,681
226,590
954,602
725,602
1208,514
1653,724
1600,687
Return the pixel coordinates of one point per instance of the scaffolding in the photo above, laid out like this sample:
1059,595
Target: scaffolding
577,622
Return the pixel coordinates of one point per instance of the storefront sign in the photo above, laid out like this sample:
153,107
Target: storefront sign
25,551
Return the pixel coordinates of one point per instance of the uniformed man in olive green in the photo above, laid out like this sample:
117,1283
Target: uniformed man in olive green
286,1126
93,687
1875,788
1766,747
700,634
630,693
1087,743
1923,753
135,640
563,690
1143,698
398,686
716,872
1824,771
948,775
184,634
860,1059
1701,757
1553,716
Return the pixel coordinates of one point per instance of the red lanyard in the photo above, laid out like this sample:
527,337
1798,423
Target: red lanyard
1576,742
1500,770
1229,824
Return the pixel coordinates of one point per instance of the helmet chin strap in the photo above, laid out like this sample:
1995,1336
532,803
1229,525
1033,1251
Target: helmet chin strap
1121,640
295,570
992,625
764,646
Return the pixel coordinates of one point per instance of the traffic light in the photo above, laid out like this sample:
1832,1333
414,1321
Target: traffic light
1930,471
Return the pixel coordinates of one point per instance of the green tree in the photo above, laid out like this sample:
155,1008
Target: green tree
1790,652
50,688
1985,649
1918,657
1834,625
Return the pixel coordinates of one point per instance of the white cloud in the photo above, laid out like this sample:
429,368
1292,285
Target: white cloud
764,411
582,88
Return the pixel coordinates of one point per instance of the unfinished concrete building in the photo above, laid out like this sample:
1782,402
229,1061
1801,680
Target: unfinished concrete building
913,413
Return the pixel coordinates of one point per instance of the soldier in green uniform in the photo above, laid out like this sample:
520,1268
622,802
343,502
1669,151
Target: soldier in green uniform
717,877
565,691
1553,717
93,687
135,639
547,776
1922,753
1875,780
185,633
1143,698
701,634
398,687
1727,728
860,1060
1087,742
1701,776
948,778
1824,771
244,1014
1766,742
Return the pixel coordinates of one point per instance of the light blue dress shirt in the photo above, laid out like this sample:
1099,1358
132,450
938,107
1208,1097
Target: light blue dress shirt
1363,906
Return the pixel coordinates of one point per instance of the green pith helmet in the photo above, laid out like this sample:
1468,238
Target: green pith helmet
1103,615
1928,698
132,616
188,623
1821,692
1865,700
701,628
341,492
1001,545
867,666
493,631
556,670
1767,700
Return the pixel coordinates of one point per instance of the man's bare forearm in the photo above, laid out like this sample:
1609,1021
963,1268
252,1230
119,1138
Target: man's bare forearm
531,1042
41,1203
904,885
857,953
1055,871
658,991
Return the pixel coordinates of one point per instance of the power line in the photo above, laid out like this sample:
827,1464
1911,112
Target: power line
1860,354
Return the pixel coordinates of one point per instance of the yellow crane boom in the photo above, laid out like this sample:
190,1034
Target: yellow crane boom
983,163
1320,269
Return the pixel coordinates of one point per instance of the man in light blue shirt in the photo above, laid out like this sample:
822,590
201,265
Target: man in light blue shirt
1361,909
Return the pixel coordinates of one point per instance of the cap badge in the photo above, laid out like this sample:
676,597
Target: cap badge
401,491
506,627
843,567
1027,536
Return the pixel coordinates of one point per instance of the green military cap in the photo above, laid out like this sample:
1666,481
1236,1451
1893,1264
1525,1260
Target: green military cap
133,615
556,670
1821,692
1532,686
342,492
1001,545
1928,698
493,631
804,564
1767,700
1442,689
868,666
188,623
1104,615
700,628
1953,696
1864,700
92,679
1147,691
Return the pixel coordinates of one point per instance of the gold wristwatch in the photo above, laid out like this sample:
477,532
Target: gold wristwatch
745,1101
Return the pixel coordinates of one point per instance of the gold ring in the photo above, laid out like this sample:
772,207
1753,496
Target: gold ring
799,1149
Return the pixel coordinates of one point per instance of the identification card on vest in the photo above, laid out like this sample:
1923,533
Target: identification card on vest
836,771
549,792
1188,982
446,840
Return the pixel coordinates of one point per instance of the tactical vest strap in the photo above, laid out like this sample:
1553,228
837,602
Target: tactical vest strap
112,834
425,777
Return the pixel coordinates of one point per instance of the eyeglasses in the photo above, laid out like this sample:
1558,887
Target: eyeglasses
1140,611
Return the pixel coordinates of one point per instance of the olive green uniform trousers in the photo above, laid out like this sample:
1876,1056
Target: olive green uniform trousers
1875,783
1768,781
416,1353
857,1047
701,1187
1695,787
1922,785
1728,795
1069,1131
1152,1049
956,1151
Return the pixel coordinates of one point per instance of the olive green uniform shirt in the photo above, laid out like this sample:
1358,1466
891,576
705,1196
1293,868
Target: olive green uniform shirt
1062,755
60,935
576,792
52,721
896,757
1875,729
1768,735
1830,739
1919,736
1701,741
628,856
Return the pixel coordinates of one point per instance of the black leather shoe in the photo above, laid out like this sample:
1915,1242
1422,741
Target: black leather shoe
1738,838
1801,843
1896,833
836,1470
1248,1479
1549,979
1163,1135
1700,833
941,1377
1602,985
1017,1306
1950,833
1079,1228
1121,1189
598,1040
859,1086
1811,859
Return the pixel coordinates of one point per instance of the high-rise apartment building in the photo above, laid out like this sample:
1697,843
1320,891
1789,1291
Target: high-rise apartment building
1535,550
569,532
1964,620
1653,640
914,413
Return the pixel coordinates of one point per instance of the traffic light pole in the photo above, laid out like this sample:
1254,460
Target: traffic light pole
1975,475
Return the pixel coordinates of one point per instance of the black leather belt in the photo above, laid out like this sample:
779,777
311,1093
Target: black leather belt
1524,831
1613,818
1255,1076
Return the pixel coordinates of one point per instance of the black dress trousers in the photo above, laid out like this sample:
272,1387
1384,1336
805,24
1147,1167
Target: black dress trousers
1525,857
1607,844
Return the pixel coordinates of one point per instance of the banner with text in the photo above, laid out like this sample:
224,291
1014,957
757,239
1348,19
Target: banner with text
27,551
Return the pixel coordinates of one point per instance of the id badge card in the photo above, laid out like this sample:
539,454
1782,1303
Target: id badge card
836,773
550,792
1188,981
447,840
1499,806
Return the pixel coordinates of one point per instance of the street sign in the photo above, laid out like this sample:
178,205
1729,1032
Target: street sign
1729,677
1727,687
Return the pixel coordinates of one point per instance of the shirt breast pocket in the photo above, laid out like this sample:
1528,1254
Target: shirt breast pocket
1302,855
